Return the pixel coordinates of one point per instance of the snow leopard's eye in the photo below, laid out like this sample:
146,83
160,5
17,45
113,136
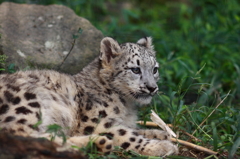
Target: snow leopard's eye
136,70
155,70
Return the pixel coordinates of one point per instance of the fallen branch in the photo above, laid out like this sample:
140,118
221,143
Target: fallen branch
191,136
185,143
191,145
150,123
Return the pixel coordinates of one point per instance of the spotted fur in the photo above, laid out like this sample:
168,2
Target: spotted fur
98,104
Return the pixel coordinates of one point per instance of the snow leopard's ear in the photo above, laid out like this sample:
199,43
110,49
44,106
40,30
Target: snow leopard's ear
146,42
109,49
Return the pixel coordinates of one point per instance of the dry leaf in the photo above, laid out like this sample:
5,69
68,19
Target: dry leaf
156,119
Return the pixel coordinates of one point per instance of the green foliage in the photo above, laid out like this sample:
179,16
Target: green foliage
75,36
234,148
39,122
2,62
56,130
11,68
216,125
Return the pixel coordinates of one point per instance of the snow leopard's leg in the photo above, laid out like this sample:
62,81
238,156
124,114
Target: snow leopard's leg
154,134
102,142
131,139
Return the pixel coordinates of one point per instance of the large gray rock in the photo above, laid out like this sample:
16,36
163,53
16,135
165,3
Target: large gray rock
43,35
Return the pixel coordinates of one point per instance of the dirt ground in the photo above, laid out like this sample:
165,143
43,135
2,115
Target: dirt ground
192,153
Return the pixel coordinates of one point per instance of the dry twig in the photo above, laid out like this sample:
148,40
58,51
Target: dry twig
73,44
191,145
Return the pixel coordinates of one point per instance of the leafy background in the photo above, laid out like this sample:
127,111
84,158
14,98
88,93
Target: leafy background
198,48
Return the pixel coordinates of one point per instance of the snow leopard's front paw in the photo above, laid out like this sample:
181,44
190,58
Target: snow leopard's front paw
160,148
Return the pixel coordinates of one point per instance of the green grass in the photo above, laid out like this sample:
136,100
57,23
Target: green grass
198,45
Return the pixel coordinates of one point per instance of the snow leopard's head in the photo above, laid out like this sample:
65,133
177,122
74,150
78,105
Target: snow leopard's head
130,68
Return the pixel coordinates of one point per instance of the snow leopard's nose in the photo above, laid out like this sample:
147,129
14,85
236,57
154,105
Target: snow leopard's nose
152,89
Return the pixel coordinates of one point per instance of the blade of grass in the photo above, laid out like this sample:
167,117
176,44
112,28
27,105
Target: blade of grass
234,148
212,112
215,137
198,126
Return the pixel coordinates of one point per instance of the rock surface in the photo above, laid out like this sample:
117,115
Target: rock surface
36,35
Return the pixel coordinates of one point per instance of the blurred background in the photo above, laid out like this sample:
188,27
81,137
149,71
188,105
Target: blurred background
198,48
188,34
